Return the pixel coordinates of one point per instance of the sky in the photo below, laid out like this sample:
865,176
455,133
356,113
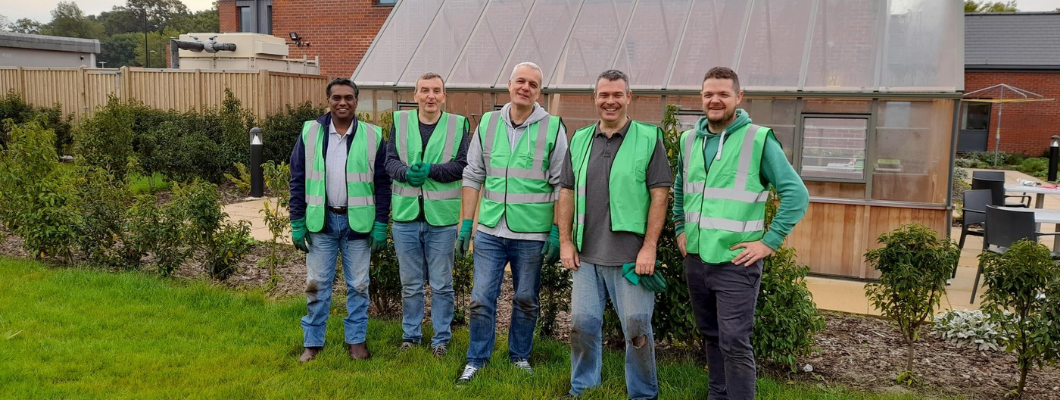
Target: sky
40,10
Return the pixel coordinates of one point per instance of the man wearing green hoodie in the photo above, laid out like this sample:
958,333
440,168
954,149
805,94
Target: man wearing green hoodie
720,193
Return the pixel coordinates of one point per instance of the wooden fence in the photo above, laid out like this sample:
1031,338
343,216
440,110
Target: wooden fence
82,91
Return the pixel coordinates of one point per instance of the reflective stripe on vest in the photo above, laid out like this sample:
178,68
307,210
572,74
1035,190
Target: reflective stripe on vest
360,176
722,209
627,183
517,186
441,201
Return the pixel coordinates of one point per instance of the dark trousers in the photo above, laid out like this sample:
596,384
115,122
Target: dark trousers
723,301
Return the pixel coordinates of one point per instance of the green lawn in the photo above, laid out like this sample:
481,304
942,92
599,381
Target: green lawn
75,333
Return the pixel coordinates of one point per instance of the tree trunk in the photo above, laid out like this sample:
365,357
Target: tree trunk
1023,380
909,357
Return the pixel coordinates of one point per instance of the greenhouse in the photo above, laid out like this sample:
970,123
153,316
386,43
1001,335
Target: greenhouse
863,94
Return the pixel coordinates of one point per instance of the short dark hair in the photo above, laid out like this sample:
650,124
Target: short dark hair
724,73
429,76
612,75
344,82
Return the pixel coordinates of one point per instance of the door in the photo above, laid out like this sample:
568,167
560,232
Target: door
975,127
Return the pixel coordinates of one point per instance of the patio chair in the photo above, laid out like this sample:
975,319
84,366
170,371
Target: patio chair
975,202
997,193
1003,228
989,175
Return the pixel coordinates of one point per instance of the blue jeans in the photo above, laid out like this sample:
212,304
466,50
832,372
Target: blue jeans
425,254
635,305
491,255
320,278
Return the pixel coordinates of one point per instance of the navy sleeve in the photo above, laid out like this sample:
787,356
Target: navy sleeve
296,203
394,166
454,170
382,185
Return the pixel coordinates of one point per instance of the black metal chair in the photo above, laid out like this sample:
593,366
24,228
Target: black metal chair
975,202
1003,228
989,175
997,193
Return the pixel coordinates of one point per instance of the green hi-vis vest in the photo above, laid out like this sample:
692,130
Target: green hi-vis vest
727,204
360,176
517,181
627,185
441,201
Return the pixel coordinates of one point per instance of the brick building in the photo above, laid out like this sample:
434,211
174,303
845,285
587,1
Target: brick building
338,31
1021,50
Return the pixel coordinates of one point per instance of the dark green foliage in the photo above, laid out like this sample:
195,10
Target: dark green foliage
914,264
786,318
15,111
101,235
222,243
385,289
554,297
281,130
1024,281
105,141
463,280
277,219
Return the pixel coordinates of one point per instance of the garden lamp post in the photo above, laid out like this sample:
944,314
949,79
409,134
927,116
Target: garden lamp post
1054,154
257,181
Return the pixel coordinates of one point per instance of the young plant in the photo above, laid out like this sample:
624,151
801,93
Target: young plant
914,264
276,218
243,181
1024,280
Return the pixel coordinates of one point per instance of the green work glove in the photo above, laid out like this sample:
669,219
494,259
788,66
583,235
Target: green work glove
550,251
463,239
654,282
378,236
300,235
417,174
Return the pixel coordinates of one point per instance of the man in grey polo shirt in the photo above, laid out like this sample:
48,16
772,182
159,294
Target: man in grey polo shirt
615,184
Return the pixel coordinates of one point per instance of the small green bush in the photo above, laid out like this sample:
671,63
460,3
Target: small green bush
385,290
463,278
277,180
281,130
101,233
105,140
968,328
554,298
223,243
1023,280
914,264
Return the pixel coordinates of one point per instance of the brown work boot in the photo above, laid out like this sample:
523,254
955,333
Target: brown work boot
309,354
358,351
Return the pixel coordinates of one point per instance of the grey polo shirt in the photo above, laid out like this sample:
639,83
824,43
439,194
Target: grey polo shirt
335,166
600,245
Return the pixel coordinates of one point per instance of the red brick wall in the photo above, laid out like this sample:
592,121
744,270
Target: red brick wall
339,31
1026,127
228,15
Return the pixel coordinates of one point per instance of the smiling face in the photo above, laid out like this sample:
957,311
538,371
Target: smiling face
343,102
720,99
525,86
612,100
430,95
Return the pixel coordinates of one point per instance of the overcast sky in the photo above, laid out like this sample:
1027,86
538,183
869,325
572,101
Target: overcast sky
40,10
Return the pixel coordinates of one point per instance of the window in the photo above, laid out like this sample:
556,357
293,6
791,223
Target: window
975,116
246,19
385,2
268,22
833,147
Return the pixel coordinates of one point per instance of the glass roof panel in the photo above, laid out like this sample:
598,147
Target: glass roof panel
593,43
445,39
650,40
490,43
542,38
924,48
395,44
772,53
709,40
843,48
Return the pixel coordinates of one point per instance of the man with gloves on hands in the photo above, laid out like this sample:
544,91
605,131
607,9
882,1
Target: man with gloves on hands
515,159
616,181
340,203
426,156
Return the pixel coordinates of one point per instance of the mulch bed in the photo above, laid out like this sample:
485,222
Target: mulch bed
854,351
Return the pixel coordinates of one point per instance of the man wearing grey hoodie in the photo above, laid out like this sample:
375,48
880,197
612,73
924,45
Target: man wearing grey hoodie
515,160
727,166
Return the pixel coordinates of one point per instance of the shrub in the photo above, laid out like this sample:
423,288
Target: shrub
277,180
969,328
223,243
1024,280
786,318
19,112
463,278
225,247
555,297
1034,166
36,193
242,182
103,203
105,140
914,265
385,287
281,130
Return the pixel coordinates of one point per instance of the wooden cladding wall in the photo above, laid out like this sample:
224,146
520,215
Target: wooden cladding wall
832,238
82,91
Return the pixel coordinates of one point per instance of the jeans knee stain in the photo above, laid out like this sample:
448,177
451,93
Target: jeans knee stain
636,326
311,288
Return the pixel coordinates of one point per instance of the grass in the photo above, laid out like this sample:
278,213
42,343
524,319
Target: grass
80,333
155,183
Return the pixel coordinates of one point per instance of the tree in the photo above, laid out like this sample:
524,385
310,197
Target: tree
121,49
121,20
25,25
914,264
202,21
68,20
160,13
983,6
156,43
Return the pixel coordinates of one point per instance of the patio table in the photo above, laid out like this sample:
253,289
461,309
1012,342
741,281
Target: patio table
1039,192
